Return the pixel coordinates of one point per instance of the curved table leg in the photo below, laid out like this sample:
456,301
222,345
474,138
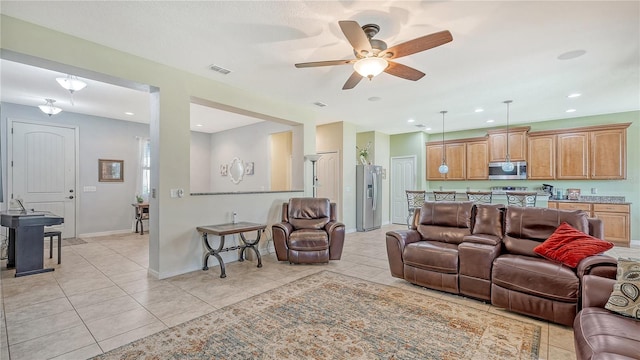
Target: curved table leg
215,253
252,245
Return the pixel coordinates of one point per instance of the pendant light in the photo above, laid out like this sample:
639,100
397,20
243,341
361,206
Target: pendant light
507,165
443,169
72,84
48,108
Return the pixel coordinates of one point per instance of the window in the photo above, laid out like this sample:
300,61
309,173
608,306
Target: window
144,167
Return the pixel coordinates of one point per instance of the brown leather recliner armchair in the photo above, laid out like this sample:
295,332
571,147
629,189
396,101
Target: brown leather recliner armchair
309,232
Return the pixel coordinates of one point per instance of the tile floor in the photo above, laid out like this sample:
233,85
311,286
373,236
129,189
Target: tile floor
101,296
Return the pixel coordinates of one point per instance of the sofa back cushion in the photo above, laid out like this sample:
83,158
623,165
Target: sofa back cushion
527,227
488,220
446,221
308,213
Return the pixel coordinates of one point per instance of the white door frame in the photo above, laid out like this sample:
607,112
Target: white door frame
76,132
394,177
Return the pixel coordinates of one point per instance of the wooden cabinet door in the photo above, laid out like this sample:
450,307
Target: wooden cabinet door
456,160
478,160
552,204
586,207
573,156
517,146
542,157
616,227
434,160
608,154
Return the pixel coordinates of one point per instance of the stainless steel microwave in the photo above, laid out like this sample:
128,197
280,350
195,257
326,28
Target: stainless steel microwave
519,172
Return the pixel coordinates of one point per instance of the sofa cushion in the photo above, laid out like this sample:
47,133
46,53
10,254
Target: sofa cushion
488,220
526,228
432,255
307,213
536,276
601,334
446,221
308,239
625,298
569,246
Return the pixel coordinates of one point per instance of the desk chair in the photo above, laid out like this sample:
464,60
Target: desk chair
525,199
415,199
50,235
444,195
479,197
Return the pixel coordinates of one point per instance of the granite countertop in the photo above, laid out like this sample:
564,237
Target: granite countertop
597,199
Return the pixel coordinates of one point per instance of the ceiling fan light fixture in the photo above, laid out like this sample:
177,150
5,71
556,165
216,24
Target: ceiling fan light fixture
370,66
71,83
48,108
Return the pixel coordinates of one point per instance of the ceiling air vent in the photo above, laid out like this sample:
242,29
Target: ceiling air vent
219,69
420,126
319,104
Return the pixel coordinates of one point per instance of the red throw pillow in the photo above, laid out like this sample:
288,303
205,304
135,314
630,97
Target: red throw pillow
569,246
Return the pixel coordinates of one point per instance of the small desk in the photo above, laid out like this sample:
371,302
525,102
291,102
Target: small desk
229,229
26,239
142,213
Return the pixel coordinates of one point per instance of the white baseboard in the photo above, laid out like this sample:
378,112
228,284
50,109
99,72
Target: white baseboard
105,233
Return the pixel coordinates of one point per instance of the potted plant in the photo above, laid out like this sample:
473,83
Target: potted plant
139,199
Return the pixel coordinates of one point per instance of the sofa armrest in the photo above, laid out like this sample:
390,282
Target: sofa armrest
335,230
601,265
596,227
482,239
396,241
596,291
281,232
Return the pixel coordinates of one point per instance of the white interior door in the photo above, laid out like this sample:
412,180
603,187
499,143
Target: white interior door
328,173
403,177
43,170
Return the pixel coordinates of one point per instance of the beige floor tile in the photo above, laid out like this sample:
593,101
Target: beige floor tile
107,308
37,311
139,285
130,276
96,296
187,314
561,337
130,336
121,323
163,292
30,295
81,353
85,284
543,352
170,307
43,326
52,345
556,353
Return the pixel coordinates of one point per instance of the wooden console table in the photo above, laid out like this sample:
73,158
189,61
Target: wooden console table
229,229
141,213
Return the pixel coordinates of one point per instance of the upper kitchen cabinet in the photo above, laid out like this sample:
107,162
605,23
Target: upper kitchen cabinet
455,157
517,144
573,156
477,160
595,152
541,164
609,154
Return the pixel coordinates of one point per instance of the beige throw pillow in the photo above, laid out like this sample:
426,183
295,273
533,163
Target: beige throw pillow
625,298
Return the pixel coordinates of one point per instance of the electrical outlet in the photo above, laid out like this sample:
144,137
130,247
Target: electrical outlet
594,191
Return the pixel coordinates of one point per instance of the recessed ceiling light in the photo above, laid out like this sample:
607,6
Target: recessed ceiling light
199,125
490,120
574,95
479,110
427,129
571,110
571,54
129,113
410,120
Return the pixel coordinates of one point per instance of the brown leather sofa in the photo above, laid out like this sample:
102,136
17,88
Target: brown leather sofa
486,252
309,232
600,333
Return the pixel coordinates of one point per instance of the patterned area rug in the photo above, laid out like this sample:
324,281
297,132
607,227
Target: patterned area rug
333,316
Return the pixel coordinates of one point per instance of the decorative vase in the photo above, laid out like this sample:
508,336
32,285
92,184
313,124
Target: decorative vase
363,160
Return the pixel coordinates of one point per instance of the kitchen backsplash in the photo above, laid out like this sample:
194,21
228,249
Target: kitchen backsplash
602,199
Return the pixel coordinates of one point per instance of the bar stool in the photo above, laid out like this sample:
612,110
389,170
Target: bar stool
479,197
50,235
444,195
525,199
415,199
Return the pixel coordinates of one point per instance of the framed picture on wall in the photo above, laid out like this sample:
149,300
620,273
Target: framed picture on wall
110,170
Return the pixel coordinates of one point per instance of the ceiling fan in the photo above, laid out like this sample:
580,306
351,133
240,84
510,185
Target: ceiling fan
373,57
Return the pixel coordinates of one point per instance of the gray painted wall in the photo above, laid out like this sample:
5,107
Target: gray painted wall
109,208
200,179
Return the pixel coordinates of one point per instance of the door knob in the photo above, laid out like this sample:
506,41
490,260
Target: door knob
71,197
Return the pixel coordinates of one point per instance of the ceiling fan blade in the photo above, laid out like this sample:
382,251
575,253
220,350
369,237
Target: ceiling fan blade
403,71
352,81
419,44
356,36
325,63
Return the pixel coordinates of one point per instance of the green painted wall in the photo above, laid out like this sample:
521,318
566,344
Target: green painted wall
629,188
411,144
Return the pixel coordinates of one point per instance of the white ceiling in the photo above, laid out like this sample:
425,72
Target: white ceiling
500,51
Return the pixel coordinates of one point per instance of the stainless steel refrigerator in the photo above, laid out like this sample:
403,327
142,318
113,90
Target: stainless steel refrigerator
368,197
